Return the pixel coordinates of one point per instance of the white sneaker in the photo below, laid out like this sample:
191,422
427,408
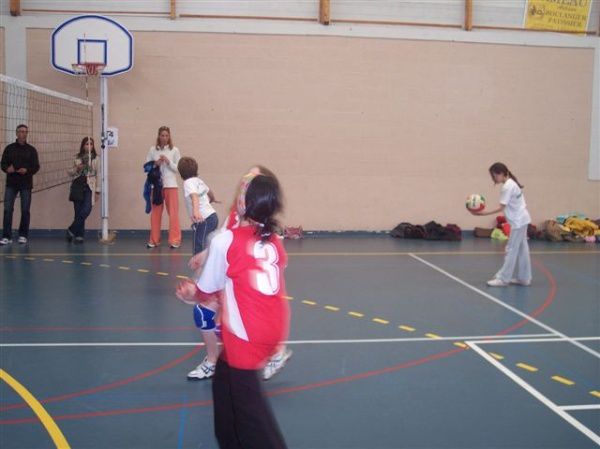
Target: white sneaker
276,363
205,370
22,240
496,283
150,245
519,282
5,241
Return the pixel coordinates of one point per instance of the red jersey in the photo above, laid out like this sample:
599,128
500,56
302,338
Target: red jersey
233,219
255,313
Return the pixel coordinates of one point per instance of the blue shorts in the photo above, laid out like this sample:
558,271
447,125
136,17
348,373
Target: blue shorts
204,318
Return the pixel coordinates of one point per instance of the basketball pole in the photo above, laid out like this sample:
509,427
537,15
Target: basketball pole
104,171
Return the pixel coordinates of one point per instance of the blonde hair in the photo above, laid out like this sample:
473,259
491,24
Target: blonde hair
160,130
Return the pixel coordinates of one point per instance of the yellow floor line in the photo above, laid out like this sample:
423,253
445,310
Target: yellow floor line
48,260
496,356
289,298
407,253
563,380
595,393
86,263
310,303
531,369
381,321
124,268
406,328
103,265
29,258
162,273
434,336
143,270
460,345
333,308
57,436
66,261
180,276
356,314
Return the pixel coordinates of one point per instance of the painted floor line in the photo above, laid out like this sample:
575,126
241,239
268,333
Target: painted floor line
509,307
580,407
539,396
309,254
290,342
49,424
537,340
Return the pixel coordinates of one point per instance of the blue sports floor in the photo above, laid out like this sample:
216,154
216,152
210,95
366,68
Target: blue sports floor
397,344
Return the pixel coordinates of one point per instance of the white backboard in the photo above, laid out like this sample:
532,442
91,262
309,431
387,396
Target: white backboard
92,38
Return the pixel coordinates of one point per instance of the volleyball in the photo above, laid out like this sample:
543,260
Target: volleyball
475,202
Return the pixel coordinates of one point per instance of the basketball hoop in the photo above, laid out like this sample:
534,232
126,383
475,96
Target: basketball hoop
88,68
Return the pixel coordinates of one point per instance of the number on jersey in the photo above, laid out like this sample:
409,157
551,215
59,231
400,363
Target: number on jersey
266,279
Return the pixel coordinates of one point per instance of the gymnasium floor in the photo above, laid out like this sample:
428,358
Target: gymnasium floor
397,344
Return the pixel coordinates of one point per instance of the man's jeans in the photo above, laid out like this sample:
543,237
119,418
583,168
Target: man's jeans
10,195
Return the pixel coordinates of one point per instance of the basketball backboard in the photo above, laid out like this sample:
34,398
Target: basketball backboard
92,39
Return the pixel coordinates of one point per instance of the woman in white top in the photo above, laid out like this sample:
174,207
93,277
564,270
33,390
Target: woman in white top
166,156
512,204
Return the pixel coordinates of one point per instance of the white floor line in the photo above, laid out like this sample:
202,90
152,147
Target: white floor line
580,407
291,342
506,306
539,396
537,340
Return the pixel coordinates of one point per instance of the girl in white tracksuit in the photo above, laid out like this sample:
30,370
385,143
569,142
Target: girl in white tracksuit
512,204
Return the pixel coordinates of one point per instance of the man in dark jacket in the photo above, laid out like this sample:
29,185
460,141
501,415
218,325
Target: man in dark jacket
19,162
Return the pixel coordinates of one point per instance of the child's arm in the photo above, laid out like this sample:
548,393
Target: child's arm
499,209
197,260
196,215
188,292
211,197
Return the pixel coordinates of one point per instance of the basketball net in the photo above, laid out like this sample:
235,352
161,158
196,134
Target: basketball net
87,70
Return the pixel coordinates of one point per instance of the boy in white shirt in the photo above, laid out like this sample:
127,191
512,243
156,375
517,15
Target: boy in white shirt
198,198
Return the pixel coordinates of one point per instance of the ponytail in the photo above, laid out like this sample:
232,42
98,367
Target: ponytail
514,178
500,169
267,229
263,201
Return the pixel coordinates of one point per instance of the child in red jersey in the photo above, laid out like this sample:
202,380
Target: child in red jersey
248,264
207,367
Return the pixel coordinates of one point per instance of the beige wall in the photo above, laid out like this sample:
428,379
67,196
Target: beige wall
363,133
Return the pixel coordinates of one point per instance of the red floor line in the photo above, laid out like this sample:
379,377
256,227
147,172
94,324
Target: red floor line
92,329
549,299
109,386
547,302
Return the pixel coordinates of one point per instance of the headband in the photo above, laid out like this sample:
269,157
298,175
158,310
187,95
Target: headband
241,200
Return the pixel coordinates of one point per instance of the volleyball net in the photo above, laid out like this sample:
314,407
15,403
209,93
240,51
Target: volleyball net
57,123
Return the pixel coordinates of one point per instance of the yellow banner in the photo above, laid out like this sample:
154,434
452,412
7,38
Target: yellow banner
558,15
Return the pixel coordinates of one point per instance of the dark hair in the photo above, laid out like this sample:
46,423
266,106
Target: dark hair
500,169
188,167
82,150
22,125
264,201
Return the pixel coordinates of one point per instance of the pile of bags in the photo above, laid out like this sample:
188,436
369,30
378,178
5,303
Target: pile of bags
573,227
428,231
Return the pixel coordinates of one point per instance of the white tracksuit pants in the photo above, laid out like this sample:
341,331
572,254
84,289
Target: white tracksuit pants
517,256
